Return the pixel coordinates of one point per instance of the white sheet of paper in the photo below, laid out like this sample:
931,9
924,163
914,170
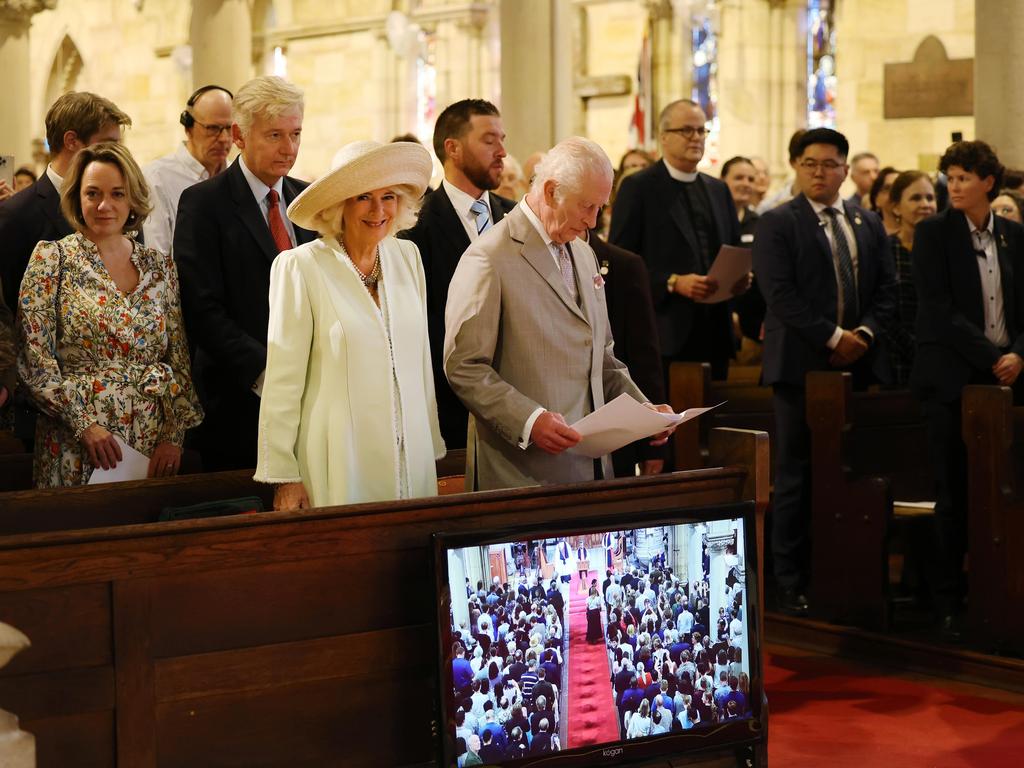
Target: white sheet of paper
730,265
622,421
132,466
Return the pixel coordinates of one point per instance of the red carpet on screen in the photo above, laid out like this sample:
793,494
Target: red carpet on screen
591,714
836,713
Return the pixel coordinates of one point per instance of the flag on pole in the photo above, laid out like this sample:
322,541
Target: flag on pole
640,133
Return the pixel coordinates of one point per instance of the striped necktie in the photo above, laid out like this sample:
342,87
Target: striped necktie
482,216
847,283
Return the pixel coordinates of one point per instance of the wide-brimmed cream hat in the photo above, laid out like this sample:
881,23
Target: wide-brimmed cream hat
359,167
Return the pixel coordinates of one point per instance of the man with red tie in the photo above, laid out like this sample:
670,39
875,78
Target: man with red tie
229,230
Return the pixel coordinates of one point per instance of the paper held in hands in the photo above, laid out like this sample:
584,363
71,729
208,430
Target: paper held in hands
132,466
730,265
623,421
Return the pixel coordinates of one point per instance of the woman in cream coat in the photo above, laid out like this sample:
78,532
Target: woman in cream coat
347,413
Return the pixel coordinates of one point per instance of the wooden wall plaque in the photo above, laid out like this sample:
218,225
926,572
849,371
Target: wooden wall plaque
932,85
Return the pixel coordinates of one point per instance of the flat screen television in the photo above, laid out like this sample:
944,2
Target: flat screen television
600,642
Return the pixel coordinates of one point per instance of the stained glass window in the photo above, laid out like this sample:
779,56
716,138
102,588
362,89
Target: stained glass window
704,52
821,64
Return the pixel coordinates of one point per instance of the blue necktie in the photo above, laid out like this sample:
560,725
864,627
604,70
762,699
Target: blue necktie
482,216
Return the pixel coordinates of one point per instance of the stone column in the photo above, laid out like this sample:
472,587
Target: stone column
221,37
695,553
720,537
17,748
536,74
15,118
998,81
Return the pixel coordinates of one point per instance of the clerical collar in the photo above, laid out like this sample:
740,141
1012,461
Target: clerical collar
678,175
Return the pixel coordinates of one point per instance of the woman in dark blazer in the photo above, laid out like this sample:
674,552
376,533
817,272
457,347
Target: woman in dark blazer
968,267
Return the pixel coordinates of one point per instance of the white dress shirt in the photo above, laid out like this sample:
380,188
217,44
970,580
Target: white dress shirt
984,241
461,203
168,177
55,178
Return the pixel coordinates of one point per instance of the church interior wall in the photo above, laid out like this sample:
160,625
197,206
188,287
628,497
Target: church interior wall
357,86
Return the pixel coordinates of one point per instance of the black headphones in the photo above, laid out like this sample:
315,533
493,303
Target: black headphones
186,117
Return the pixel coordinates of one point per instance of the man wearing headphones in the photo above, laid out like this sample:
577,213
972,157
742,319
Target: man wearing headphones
204,153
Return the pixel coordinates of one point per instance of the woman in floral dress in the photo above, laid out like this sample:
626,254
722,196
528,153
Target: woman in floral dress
103,351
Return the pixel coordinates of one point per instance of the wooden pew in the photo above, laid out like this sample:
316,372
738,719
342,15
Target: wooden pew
867,449
269,639
748,405
993,431
136,503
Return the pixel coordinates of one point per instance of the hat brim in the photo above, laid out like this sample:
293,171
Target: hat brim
401,164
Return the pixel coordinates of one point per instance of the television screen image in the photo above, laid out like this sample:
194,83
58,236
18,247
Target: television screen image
594,640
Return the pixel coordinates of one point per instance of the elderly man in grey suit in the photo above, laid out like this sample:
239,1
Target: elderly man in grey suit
527,345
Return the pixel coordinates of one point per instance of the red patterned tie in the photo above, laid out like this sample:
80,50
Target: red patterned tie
277,228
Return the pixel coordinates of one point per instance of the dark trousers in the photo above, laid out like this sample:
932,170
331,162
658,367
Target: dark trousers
948,456
791,507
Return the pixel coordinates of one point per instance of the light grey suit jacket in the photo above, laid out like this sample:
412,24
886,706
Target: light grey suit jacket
514,341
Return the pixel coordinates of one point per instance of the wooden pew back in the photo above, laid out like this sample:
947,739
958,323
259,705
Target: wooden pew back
273,639
993,431
866,449
748,405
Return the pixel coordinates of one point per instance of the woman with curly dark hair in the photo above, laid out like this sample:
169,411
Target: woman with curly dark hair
968,268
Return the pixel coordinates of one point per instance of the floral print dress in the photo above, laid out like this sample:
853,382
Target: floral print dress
92,354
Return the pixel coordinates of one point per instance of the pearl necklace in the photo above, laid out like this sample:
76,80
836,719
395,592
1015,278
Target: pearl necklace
369,281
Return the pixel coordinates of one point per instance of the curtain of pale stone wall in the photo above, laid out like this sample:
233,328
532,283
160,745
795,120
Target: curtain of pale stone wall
15,125
998,79
536,80
787,82
221,37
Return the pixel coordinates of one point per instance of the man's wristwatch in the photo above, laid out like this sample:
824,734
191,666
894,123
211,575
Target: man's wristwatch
671,283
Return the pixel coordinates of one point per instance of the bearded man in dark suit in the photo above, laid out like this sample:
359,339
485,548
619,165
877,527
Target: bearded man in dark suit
469,142
228,232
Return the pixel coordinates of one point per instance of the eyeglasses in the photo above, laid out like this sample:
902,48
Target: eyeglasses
689,131
213,130
825,165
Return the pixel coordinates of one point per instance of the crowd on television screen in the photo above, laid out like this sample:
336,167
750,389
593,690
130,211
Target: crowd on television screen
507,669
671,666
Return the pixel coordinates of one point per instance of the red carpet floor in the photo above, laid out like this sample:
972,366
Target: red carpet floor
831,712
591,714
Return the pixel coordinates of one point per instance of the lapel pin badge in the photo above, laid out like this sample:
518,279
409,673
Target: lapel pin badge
1002,241
598,281
604,267
857,220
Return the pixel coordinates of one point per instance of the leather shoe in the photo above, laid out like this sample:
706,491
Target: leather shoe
792,602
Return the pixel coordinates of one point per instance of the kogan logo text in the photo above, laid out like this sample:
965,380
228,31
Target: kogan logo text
613,752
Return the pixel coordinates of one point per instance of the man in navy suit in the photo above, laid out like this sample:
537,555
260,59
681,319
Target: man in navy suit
469,142
969,277
75,120
228,232
677,219
828,282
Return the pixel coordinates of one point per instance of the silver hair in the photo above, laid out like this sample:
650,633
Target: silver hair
569,163
268,96
330,223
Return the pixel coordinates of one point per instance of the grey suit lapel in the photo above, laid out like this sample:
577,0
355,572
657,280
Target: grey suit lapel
538,256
